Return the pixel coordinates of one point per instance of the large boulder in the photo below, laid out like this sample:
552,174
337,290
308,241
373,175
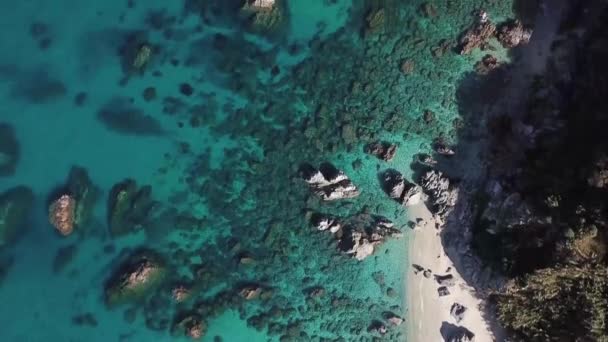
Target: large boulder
512,33
399,189
61,214
9,150
440,191
328,182
135,278
457,312
74,205
129,207
15,205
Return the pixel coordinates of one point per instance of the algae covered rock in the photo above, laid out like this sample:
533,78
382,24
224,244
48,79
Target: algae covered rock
15,204
135,278
128,207
190,325
264,15
9,150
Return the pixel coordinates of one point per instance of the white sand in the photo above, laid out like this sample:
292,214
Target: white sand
427,311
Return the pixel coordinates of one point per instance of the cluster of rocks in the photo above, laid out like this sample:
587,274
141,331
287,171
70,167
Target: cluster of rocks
140,273
440,190
328,182
510,34
357,235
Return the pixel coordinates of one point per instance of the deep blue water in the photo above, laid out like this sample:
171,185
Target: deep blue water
221,162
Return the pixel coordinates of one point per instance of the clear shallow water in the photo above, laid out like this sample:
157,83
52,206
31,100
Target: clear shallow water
232,175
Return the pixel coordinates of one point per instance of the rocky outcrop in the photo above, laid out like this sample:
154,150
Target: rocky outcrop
399,189
135,278
357,235
15,205
74,206
512,33
453,333
328,182
129,207
441,194
476,36
9,150
61,214
382,150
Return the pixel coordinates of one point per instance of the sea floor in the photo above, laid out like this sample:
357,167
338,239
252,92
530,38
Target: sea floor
232,115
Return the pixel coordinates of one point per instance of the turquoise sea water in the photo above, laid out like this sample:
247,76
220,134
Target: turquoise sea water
222,162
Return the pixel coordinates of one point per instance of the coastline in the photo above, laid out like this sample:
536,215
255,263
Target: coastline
427,312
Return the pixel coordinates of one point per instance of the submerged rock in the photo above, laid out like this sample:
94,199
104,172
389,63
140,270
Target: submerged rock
399,189
9,150
61,214
15,205
128,207
135,278
513,33
120,116
382,150
328,182
264,15
486,65
84,192
191,325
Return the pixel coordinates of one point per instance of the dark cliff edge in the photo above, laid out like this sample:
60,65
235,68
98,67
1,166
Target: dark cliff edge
529,230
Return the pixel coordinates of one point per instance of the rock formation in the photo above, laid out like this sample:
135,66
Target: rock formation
263,15
328,182
476,36
512,33
399,189
133,279
441,194
61,214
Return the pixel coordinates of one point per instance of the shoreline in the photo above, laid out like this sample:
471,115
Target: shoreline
427,311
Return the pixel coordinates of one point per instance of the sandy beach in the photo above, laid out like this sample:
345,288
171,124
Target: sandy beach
427,310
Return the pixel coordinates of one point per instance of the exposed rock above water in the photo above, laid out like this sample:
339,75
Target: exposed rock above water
476,36
190,325
328,182
357,235
61,214
134,278
264,15
15,205
512,33
441,193
457,311
399,189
